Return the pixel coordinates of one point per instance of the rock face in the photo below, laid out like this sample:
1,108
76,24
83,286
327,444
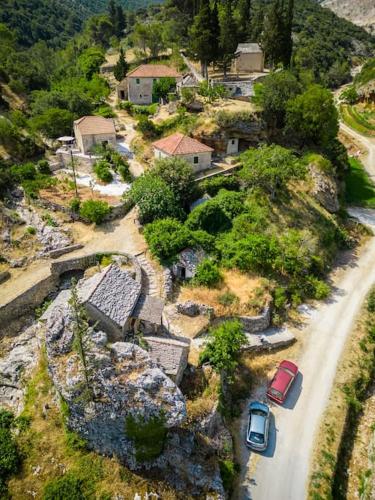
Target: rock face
124,382
324,189
15,367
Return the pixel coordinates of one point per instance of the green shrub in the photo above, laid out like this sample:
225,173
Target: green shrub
213,186
75,204
231,203
102,171
43,167
6,419
280,299
148,436
147,128
31,230
227,299
25,172
32,187
94,210
106,112
319,289
64,488
9,455
127,106
124,172
210,217
167,237
371,301
49,220
207,274
228,471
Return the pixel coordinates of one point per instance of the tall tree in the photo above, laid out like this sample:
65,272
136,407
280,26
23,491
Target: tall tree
256,22
286,55
121,67
112,12
201,37
272,37
120,22
244,19
215,32
228,36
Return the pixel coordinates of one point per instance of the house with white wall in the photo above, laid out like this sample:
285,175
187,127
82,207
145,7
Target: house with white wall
196,153
248,58
94,130
140,81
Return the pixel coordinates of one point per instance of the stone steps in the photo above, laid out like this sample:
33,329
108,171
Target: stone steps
150,280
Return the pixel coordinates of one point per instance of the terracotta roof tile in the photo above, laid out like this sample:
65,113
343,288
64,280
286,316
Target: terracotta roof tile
180,144
154,71
88,125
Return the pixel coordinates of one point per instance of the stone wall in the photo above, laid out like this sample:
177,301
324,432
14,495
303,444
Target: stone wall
26,302
252,324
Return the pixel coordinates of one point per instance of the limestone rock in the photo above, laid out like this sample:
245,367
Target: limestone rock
325,189
124,382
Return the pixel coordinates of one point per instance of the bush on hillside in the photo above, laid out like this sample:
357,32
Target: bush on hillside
207,274
66,487
167,237
102,171
213,186
94,210
209,217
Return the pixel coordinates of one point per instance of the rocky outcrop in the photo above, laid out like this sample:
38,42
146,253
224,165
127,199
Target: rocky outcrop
192,309
16,365
324,189
124,382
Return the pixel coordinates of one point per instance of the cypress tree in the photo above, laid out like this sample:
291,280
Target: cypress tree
244,19
201,37
287,34
256,22
121,67
273,33
228,36
120,23
215,32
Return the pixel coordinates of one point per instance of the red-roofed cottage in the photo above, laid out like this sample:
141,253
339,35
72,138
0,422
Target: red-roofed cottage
194,152
92,130
140,81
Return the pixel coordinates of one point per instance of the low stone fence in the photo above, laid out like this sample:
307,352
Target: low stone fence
77,264
27,301
251,324
116,212
54,254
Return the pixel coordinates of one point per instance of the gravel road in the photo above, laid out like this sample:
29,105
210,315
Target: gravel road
282,472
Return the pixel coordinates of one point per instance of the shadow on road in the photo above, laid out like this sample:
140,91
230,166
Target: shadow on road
294,392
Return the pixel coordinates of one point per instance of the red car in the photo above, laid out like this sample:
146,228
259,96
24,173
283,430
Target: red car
282,380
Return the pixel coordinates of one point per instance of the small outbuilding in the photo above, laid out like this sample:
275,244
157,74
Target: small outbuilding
172,355
248,58
187,262
92,130
196,153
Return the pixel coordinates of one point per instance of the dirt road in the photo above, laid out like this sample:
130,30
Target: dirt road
282,472
368,143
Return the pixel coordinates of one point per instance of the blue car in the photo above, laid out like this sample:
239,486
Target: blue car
258,426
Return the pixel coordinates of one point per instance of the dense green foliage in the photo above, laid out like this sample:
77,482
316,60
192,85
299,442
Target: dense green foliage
367,72
207,274
360,189
9,455
223,348
270,168
67,486
148,437
179,176
102,171
94,210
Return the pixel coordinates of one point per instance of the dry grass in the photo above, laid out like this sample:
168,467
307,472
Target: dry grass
251,294
45,445
328,437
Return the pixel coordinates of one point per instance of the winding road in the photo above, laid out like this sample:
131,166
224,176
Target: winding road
282,472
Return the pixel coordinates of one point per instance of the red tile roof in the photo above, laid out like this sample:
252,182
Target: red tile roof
180,144
153,71
91,125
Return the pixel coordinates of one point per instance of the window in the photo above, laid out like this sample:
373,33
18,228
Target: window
196,160
233,141
137,81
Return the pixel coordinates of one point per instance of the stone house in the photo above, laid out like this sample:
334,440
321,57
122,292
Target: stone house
187,262
196,153
138,84
114,301
92,130
172,355
248,58
188,81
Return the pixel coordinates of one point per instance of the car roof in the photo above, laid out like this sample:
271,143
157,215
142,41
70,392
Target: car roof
258,423
257,405
281,380
289,365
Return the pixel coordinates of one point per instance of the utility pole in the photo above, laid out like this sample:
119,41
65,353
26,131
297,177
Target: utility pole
74,173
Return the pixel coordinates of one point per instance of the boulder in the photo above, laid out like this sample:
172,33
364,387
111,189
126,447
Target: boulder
122,381
324,189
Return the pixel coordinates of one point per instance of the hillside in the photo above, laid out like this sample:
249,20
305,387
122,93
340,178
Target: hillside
89,7
361,12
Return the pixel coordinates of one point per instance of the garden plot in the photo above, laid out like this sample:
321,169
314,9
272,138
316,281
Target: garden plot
114,188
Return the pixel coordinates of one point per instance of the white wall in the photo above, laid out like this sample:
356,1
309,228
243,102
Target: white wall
232,146
204,159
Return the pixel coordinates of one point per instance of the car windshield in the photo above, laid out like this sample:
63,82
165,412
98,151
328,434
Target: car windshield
289,372
258,412
256,437
276,393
